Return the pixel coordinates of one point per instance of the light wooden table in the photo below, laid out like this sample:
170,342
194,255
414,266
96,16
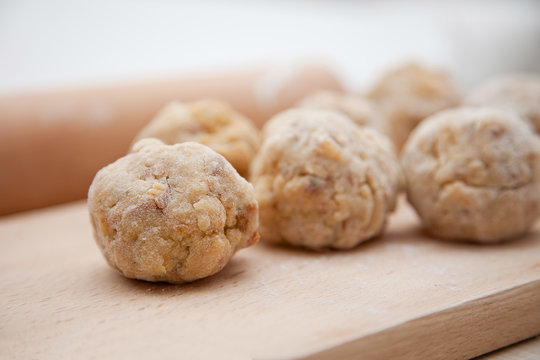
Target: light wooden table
401,296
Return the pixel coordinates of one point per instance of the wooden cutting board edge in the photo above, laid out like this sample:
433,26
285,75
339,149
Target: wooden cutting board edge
497,320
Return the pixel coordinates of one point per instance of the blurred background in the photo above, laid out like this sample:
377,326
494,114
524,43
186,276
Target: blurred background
52,44
78,79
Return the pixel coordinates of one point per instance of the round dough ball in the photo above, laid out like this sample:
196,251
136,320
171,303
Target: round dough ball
474,174
171,213
519,93
359,109
409,94
322,181
209,122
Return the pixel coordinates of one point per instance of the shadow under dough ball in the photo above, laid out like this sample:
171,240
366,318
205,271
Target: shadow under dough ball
474,174
171,213
322,181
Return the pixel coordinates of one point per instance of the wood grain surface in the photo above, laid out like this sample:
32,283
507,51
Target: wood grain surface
403,295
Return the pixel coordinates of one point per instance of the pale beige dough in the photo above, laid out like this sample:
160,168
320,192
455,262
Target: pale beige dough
409,94
518,92
322,181
474,174
171,213
358,108
209,122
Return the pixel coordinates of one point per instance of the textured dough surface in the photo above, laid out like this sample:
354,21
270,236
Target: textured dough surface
209,122
171,213
474,174
322,181
409,94
519,93
358,108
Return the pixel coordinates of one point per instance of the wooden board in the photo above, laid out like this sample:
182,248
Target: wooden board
526,350
400,296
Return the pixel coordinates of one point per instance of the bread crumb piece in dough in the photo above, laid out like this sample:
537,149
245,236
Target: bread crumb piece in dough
409,94
518,92
171,213
474,174
209,122
359,109
322,181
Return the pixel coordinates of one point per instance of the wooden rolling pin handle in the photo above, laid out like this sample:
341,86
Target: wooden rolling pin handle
52,144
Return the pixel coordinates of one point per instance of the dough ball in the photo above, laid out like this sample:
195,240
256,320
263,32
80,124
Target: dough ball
322,181
208,122
474,174
171,213
358,108
519,93
409,94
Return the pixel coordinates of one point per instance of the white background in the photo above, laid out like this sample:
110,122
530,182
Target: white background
51,44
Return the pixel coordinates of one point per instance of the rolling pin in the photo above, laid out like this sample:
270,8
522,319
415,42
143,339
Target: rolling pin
53,143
